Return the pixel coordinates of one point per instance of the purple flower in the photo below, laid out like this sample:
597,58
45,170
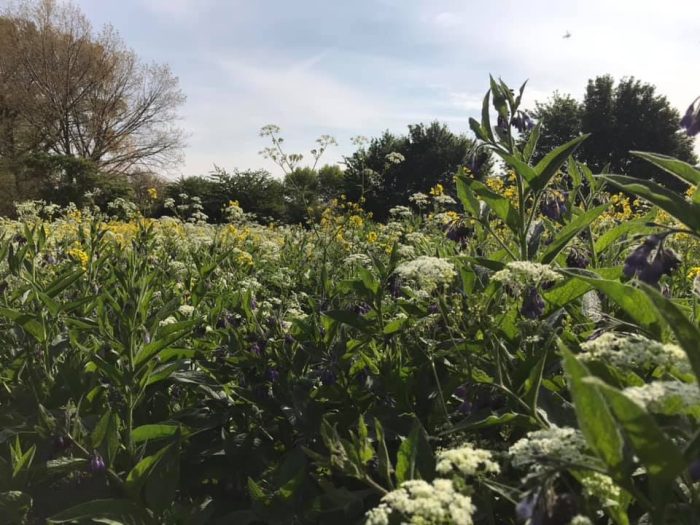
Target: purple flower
457,231
577,259
650,261
273,375
554,207
691,120
96,464
433,308
258,347
694,470
61,443
533,304
328,377
253,303
362,308
526,507
522,122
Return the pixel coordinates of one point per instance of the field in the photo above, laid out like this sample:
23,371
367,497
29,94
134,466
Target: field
523,347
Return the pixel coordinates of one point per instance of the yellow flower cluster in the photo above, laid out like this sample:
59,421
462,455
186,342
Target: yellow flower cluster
504,186
694,272
152,193
437,190
77,253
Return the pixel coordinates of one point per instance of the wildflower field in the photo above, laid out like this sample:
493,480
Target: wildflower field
523,348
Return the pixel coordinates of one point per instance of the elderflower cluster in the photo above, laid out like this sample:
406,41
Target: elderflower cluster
667,397
518,274
601,487
427,272
466,460
555,444
635,352
420,502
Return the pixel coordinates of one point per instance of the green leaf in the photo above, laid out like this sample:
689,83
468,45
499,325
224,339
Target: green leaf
570,289
121,511
522,168
383,462
668,200
414,458
478,130
395,325
153,432
140,473
632,300
509,418
550,164
29,323
687,334
466,196
678,168
531,144
349,318
485,118
570,231
14,506
151,349
501,206
593,414
636,226
655,450
100,430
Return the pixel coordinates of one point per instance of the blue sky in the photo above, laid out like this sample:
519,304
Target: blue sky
358,67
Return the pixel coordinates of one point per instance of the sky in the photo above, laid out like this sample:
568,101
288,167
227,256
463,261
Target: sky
347,68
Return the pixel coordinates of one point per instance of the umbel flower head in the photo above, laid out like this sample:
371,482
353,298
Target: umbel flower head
651,260
691,120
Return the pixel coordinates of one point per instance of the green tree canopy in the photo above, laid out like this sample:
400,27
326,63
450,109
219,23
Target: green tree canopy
621,118
428,155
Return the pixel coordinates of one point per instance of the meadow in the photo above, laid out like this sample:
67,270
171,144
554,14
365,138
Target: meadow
523,348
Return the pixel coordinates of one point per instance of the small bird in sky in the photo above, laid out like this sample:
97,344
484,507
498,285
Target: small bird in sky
567,35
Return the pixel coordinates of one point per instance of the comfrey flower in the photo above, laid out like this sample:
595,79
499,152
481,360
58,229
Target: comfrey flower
522,122
650,261
533,304
633,351
420,502
561,444
519,274
427,272
467,461
669,398
691,120
554,207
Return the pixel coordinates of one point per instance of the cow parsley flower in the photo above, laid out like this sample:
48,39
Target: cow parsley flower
427,272
419,199
466,460
519,274
423,503
667,397
555,444
633,351
186,310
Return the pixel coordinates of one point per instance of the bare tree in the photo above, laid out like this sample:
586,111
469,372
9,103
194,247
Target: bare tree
79,93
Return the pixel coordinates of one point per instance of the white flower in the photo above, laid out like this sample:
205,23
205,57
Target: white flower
186,310
420,502
359,259
466,460
427,272
401,212
580,520
518,274
601,487
445,199
667,397
419,199
168,321
395,158
562,444
636,352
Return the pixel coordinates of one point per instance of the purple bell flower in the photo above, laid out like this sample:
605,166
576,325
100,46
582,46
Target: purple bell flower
533,304
691,120
96,464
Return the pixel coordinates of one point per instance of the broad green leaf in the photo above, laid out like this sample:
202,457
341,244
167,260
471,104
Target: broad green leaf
122,511
509,418
485,118
349,318
414,458
570,289
635,303
466,196
531,144
687,333
395,325
151,349
29,323
522,168
14,506
593,414
501,206
570,231
153,432
655,450
383,462
140,473
675,204
636,226
678,168
550,164
478,130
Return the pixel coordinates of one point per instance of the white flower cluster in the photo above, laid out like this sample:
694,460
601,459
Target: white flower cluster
444,200
601,487
360,259
406,251
427,272
667,397
394,158
518,274
466,460
423,503
580,520
186,310
635,351
400,212
419,199
556,444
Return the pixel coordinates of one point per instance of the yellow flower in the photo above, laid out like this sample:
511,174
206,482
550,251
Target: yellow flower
372,237
79,255
233,204
244,259
356,221
694,272
152,193
437,190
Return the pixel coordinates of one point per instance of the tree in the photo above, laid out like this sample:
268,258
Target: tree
69,91
391,168
621,118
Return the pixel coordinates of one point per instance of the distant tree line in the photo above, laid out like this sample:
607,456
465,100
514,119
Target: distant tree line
80,115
